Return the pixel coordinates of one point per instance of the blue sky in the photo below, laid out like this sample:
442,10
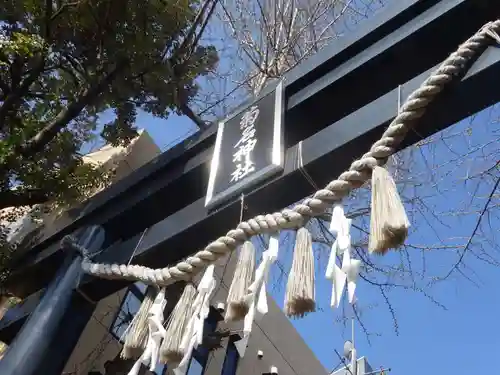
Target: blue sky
460,339
463,334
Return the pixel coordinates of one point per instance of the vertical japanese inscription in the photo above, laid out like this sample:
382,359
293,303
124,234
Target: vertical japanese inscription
247,148
242,158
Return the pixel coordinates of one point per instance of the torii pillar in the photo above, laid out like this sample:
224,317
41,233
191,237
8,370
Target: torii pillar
47,339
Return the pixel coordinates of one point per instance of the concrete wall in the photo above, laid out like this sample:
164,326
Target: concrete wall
97,344
96,341
274,334
282,346
125,159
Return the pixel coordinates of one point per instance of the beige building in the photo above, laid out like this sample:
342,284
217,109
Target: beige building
123,160
273,346
29,229
274,337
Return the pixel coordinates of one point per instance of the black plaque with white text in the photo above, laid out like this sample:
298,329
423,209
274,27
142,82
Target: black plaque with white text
248,148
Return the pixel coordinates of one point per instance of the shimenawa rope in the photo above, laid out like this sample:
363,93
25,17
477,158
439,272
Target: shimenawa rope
359,172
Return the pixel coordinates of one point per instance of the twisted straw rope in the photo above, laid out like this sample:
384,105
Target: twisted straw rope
358,173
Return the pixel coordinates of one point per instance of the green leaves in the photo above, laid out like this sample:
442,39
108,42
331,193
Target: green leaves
21,45
122,130
63,63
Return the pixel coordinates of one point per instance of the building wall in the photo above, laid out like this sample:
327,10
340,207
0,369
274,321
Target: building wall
125,159
96,342
140,151
274,335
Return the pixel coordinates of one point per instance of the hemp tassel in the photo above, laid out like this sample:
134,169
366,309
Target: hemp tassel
137,333
171,351
156,333
193,334
237,304
299,297
257,296
389,223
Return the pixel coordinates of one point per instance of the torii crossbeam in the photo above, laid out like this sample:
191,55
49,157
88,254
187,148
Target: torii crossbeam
340,127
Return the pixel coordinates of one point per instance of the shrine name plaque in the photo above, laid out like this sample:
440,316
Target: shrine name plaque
248,148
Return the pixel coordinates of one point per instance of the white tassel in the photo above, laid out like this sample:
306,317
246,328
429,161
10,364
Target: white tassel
237,306
171,350
156,335
351,268
336,275
388,224
137,332
257,296
340,226
193,336
299,296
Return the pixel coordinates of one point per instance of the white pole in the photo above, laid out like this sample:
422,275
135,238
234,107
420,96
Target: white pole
354,360
352,330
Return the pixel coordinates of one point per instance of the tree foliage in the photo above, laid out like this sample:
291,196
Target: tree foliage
62,63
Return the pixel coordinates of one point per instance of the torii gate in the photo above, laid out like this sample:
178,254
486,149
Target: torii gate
347,95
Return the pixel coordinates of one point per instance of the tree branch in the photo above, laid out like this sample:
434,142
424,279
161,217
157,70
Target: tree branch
187,43
48,17
472,236
13,98
16,72
193,116
203,25
50,130
63,7
13,198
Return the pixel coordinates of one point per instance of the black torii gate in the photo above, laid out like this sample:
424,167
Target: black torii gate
337,103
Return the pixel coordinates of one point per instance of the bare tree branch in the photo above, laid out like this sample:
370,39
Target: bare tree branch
473,235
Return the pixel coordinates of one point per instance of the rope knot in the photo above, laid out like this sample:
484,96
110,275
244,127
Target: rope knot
69,243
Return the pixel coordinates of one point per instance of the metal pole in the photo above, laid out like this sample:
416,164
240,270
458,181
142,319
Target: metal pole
354,356
48,338
354,362
352,330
